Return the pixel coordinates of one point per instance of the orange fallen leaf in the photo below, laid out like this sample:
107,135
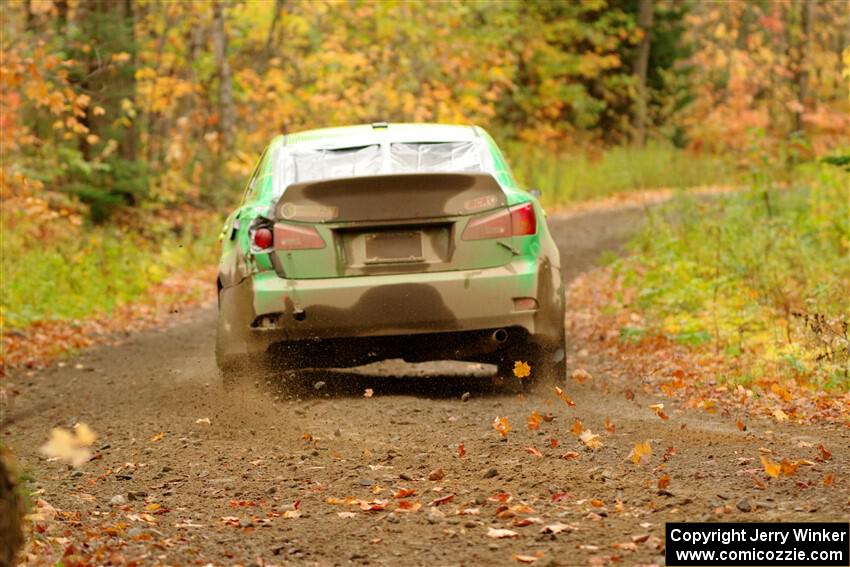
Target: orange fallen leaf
596,503
158,436
374,505
553,443
569,455
827,480
441,500
461,450
404,492
640,453
521,369
577,427
780,415
368,393
741,425
789,468
771,468
408,506
825,455
609,427
533,421
533,451
561,394
525,558
659,410
664,482
501,497
502,425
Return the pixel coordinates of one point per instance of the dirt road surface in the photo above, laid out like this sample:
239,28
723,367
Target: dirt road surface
189,474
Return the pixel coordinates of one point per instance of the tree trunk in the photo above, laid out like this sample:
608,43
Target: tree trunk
641,63
278,9
803,49
225,86
129,141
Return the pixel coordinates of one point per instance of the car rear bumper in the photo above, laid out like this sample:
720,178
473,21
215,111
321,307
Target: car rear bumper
266,309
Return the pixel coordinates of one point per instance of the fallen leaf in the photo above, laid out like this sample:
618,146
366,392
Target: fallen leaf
627,545
521,369
827,480
780,415
577,427
70,447
374,505
581,375
442,500
640,453
771,468
570,455
409,506
404,492
525,558
230,521
789,468
468,512
553,443
501,497
557,528
158,436
291,514
609,427
591,440
533,421
368,393
664,482
502,425
561,394
347,514
825,455
500,533
461,450
597,503
659,410
741,425
558,496
668,453
533,451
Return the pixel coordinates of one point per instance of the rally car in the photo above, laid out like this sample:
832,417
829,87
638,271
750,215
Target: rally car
362,243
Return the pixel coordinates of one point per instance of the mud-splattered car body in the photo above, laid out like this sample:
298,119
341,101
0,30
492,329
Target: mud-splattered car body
367,242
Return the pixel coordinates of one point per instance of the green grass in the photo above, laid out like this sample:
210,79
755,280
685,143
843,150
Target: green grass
567,178
78,271
763,274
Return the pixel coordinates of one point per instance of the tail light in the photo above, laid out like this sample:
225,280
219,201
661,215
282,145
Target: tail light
263,238
523,221
296,237
516,221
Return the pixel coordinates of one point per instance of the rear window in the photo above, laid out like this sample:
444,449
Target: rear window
294,165
436,157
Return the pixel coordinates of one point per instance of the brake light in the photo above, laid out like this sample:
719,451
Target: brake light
516,221
523,221
263,238
496,225
297,237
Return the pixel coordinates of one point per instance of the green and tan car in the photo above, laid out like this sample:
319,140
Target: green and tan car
369,242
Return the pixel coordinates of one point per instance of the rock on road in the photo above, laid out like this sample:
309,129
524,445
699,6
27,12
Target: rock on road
217,485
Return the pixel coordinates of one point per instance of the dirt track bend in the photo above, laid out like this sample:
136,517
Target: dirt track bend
254,451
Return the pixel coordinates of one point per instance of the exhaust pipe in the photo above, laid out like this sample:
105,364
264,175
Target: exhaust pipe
499,336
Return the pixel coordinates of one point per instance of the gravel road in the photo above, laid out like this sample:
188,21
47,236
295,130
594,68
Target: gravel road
250,477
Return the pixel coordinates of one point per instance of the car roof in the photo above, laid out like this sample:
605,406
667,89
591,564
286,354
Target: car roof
367,134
